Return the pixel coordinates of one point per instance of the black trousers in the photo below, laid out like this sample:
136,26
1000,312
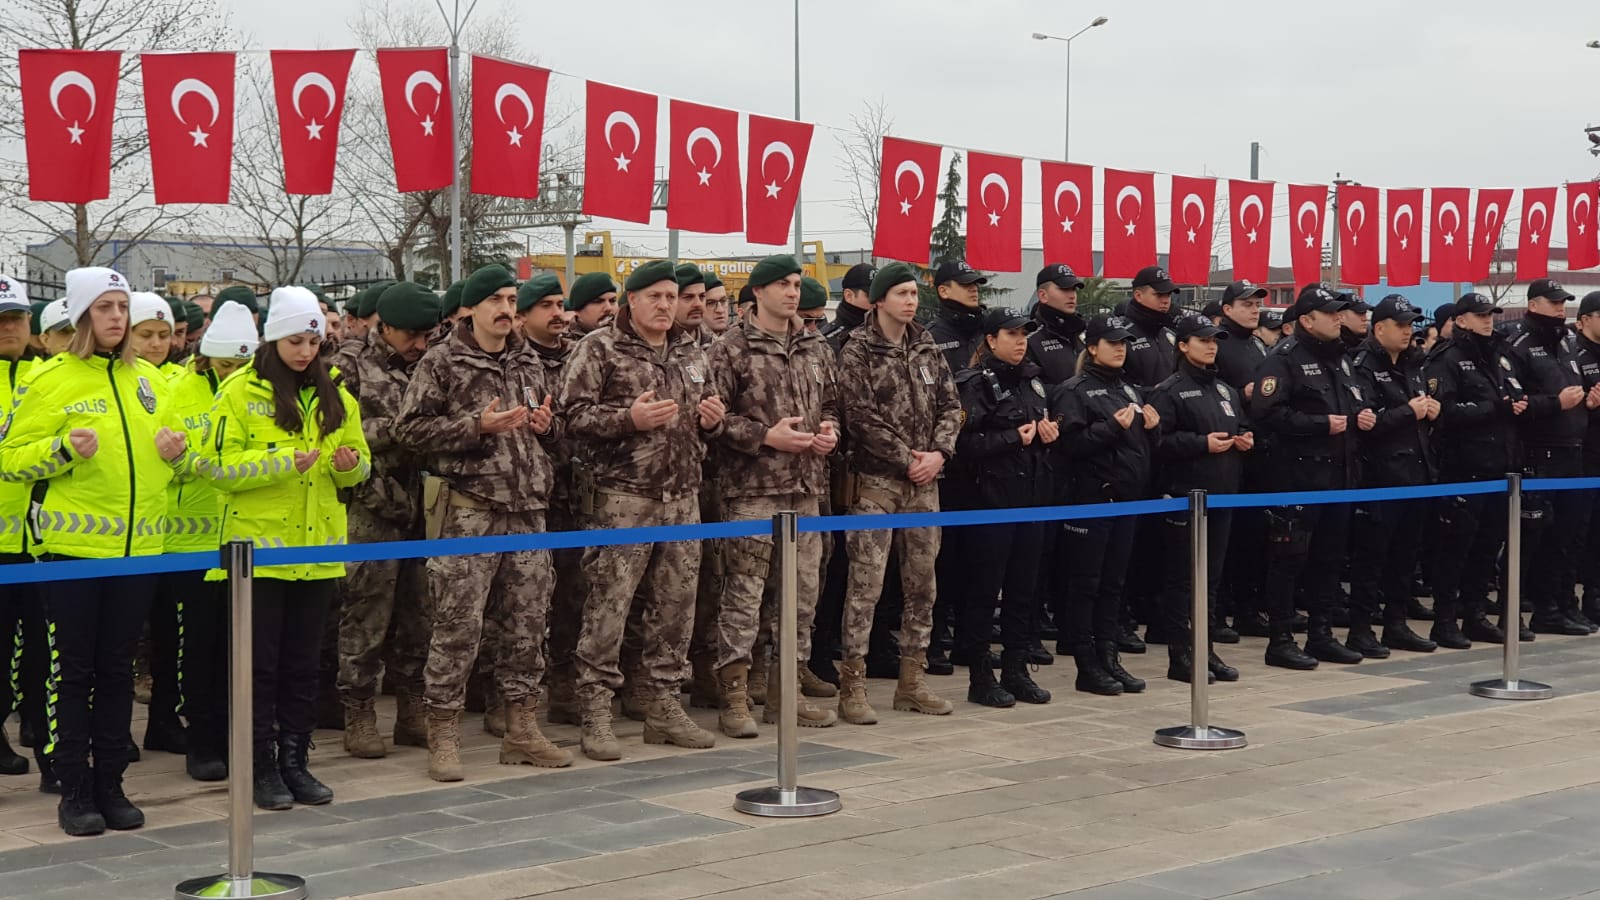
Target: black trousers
1385,541
204,656
1005,566
1097,557
1305,549
92,630
286,636
828,623
23,646
1244,571
1177,595
1468,536
1551,547
166,624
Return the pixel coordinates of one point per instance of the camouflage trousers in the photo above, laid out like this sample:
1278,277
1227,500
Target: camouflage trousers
753,571
384,622
493,602
917,548
708,596
665,575
566,604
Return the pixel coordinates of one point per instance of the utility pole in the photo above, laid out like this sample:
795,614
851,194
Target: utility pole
798,247
1334,279
1255,160
455,23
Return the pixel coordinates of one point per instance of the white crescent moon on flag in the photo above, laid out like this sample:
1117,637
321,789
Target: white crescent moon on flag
905,166
1449,206
1126,192
1491,214
195,86
995,178
1544,215
1193,200
1404,210
1300,216
1580,200
514,90
316,80
71,78
621,118
778,148
1255,201
704,134
1067,187
1356,207
423,76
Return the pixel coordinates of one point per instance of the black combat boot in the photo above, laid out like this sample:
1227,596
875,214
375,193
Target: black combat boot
119,813
1014,677
983,690
1284,653
270,791
1092,676
1037,655
1220,670
1361,639
76,813
1549,619
164,731
1397,633
1180,664
1253,625
292,751
10,762
1110,661
1320,643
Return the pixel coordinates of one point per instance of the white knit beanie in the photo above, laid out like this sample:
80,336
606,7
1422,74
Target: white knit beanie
84,286
292,310
231,334
144,306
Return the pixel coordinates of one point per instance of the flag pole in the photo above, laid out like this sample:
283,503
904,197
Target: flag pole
455,24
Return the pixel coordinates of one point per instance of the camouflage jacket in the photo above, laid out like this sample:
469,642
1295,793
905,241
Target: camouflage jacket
377,376
762,379
452,386
554,360
897,398
606,372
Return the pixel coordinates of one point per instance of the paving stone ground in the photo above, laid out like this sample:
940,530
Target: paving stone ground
1380,780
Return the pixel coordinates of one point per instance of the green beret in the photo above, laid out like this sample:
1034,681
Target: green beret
773,268
893,274
241,295
535,289
410,306
195,315
318,293
33,322
747,294
179,312
650,273
588,288
689,275
367,300
482,284
452,298
812,294
713,280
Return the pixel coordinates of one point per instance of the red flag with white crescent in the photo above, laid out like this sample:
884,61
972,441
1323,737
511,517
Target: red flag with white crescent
1067,198
1403,237
994,212
1189,245
1250,228
619,157
1583,243
1306,205
508,106
1449,244
1358,234
69,98
416,104
775,163
1491,224
704,190
309,87
1533,235
906,195
188,109
1130,222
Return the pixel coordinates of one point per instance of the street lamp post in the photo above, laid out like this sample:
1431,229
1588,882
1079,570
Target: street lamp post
1066,133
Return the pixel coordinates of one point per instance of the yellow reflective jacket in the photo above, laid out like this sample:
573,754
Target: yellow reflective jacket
13,494
114,503
250,459
194,508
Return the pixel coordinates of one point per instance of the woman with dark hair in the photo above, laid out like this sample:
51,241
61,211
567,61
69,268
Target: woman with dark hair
284,439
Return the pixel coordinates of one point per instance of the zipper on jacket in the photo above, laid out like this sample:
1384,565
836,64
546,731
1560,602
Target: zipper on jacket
127,445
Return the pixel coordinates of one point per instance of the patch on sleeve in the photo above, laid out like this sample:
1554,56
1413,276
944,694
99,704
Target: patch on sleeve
1269,385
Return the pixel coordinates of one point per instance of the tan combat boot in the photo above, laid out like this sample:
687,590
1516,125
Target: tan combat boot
561,704
596,740
524,744
634,698
912,693
444,744
665,722
812,686
758,678
853,706
806,713
735,719
703,688
410,720
361,738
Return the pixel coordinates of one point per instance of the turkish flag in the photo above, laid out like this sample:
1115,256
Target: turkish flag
619,157
906,200
188,109
1533,237
1067,198
1130,222
68,101
776,146
1583,248
994,212
704,191
1404,236
1189,249
1306,204
507,127
1250,212
1491,222
1359,219
1449,245
416,104
310,89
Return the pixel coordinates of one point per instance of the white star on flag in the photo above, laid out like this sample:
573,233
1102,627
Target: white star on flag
772,189
1534,238
199,137
705,177
1066,226
1191,235
427,125
994,218
622,163
313,130
75,132
1403,240
1449,239
1581,226
1251,236
515,136
905,207
1308,240
1132,228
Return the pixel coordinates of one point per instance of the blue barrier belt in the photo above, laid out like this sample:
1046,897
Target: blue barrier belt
68,570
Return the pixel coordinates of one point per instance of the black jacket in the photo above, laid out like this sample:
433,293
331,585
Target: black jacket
1055,347
1152,354
1238,356
1295,393
1193,404
957,331
997,398
1103,460
1397,450
1471,377
1587,356
1542,349
846,318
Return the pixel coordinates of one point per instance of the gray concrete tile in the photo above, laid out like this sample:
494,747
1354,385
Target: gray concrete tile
1370,847
489,834
424,801
644,834
76,851
323,860
1316,888
48,878
630,811
551,782
536,804
374,829
263,823
688,781
1243,873
192,861
1127,890
449,866
357,882
1553,880
1519,848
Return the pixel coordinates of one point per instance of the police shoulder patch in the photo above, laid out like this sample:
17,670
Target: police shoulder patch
1433,385
1269,385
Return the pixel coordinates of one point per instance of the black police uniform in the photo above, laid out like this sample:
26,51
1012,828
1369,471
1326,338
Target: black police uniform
846,318
957,331
1587,355
1056,346
996,399
1238,356
1151,352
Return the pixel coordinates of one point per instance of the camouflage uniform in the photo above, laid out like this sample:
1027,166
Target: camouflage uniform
906,401
499,484
566,604
641,478
763,379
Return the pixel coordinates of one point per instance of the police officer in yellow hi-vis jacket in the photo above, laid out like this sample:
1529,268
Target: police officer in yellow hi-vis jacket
90,430
284,439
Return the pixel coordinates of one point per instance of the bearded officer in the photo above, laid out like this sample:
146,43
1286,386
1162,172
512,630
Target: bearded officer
592,302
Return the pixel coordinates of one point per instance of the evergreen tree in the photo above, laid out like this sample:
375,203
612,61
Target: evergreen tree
949,240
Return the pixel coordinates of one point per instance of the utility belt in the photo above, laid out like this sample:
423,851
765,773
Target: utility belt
438,498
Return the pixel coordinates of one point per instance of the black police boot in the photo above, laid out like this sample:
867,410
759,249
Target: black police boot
1092,676
1108,653
292,751
1156,633
48,782
1128,640
1014,677
983,690
938,662
1397,633
269,789
1284,653
165,731
1339,616
119,813
1222,634
1569,608
1220,670
1037,655
1477,628
1550,620
1253,625
10,762
76,813
1299,623
1321,644
25,736
1179,665
1416,610
207,759
1361,639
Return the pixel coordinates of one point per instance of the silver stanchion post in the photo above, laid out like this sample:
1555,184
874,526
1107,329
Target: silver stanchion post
241,879
1199,734
1509,686
788,799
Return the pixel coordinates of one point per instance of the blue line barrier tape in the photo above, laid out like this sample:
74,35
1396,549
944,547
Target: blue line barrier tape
70,570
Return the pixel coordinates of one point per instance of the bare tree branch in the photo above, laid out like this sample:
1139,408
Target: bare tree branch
863,159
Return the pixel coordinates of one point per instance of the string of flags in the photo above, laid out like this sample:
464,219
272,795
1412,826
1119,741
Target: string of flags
68,100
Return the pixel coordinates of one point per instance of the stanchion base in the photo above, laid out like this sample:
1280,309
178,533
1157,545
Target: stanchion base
1190,737
1500,689
800,802
258,885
